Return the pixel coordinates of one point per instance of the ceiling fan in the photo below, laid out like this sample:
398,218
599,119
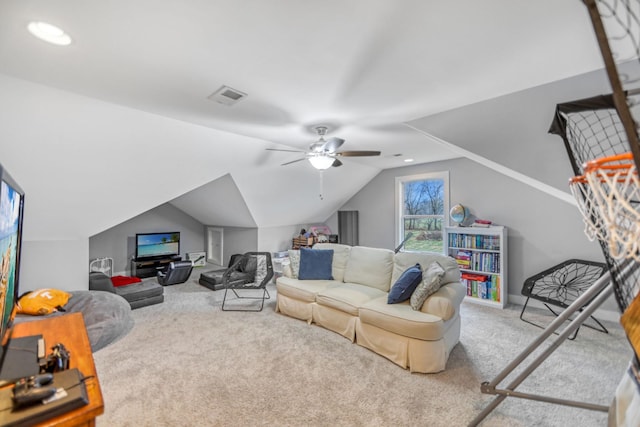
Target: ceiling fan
323,153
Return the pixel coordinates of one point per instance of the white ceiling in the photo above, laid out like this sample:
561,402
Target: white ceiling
362,67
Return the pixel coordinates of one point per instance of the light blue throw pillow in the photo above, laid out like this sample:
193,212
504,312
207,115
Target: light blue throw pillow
315,264
405,285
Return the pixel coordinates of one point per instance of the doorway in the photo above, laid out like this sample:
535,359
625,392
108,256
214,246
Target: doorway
215,237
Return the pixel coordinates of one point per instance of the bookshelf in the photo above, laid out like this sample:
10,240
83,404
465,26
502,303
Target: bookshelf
481,254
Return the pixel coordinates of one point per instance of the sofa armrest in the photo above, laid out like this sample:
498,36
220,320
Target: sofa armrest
445,302
100,282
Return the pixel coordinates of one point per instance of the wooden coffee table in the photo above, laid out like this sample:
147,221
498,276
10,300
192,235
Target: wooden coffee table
70,330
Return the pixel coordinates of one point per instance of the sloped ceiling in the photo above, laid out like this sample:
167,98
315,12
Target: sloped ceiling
218,202
513,130
119,121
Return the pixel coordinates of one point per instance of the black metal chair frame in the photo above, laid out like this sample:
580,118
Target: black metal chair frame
561,285
235,286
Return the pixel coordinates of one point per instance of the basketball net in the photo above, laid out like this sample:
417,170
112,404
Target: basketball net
608,196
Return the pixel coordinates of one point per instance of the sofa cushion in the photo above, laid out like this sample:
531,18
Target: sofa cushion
340,258
294,262
429,285
401,319
404,260
302,290
446,301
370,267
348,297
406,284
315,264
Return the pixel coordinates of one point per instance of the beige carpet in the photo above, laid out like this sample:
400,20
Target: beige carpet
187,363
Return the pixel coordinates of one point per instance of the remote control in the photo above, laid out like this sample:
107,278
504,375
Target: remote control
29,390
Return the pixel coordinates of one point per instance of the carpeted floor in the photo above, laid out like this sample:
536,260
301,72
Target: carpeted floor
187,363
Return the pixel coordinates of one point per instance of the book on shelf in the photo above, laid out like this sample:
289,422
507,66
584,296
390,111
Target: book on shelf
480,225
474,241
463,259
482,286
463,255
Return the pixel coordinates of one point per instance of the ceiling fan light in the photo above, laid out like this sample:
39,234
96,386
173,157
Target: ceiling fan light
321,161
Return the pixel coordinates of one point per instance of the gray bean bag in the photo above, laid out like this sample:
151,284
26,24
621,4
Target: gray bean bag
107,316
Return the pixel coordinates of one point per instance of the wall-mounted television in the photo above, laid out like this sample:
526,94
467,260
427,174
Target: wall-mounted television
11,214
157,245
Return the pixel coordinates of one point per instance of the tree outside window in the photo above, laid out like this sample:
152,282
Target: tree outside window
423,201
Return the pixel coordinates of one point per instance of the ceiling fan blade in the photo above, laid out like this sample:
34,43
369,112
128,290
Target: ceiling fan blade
358,153
336,163
293,161
289,151
332,144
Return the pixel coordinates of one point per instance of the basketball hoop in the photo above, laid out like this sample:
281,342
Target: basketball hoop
608,196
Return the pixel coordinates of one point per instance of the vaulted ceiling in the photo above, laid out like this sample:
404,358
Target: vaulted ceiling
140,74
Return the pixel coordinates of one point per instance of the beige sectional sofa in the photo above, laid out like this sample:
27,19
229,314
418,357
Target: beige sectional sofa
354,304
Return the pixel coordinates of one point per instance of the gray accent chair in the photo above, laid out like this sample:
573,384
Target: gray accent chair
138,295
175,273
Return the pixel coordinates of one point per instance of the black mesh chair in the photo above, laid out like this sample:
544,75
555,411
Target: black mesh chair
175,273
561,285
213,279
259,266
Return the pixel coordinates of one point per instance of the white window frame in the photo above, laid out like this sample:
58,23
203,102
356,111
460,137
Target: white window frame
400,181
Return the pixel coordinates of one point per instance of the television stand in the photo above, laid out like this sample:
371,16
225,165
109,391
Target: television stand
142,267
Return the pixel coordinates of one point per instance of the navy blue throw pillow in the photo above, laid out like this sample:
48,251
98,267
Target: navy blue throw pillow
405,285
315,264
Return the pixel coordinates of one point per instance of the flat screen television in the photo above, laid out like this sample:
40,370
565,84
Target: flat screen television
157,245
11,214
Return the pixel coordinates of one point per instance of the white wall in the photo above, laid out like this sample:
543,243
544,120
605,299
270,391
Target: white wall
57,264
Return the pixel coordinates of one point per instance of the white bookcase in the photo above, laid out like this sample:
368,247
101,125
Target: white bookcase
481,254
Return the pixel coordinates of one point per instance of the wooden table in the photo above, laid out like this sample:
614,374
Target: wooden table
70,330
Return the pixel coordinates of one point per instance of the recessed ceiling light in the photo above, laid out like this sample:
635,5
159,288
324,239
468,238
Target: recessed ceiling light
49,33
408,160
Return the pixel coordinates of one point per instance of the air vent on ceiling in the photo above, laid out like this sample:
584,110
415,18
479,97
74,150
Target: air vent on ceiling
227,95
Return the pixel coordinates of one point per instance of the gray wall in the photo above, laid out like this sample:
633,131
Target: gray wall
542,230
238,240
119,242
275,239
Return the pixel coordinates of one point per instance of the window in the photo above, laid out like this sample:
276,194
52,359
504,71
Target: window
421,203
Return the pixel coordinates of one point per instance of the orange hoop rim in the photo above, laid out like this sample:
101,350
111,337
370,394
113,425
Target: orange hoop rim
602,165
603,162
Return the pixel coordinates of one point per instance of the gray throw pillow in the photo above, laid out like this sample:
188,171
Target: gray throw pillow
430,284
